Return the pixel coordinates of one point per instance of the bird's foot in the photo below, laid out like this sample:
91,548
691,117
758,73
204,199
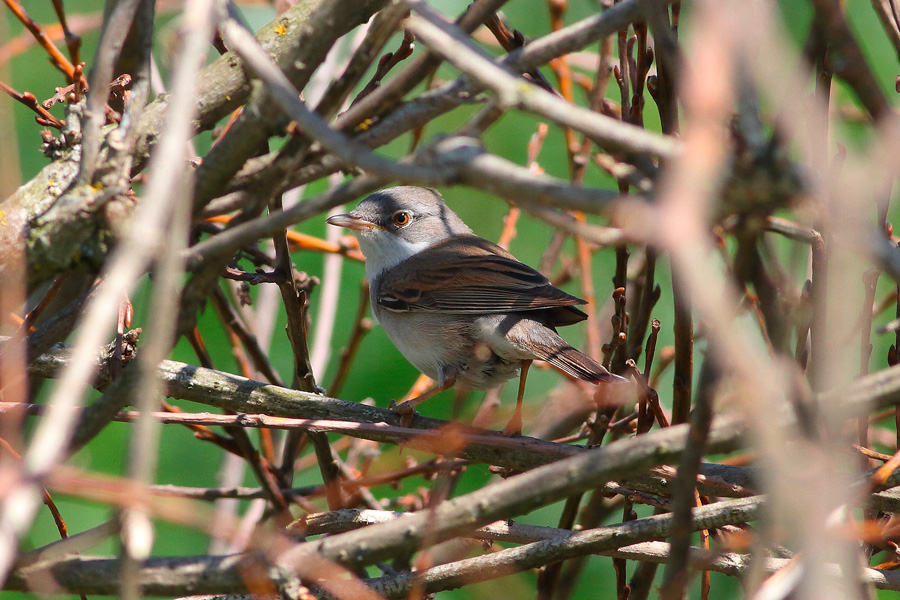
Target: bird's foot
514,427
406,410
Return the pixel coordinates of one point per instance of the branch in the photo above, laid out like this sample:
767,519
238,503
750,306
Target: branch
211,575
512,91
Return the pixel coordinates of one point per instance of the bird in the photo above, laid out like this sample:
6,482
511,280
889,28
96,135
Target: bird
461,309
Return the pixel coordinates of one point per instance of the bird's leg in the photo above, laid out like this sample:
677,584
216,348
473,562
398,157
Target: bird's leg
514,427
405,408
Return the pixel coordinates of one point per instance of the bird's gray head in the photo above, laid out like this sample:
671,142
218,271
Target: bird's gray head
396,223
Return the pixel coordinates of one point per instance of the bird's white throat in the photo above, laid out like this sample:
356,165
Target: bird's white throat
384,250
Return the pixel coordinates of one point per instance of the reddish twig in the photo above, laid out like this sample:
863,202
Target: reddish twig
56,57
361,326
28,99
385,64
45,495
73,41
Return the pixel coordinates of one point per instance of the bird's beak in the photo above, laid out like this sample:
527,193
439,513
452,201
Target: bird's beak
351,221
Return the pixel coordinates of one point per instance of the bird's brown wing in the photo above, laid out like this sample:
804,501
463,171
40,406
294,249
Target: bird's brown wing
470,275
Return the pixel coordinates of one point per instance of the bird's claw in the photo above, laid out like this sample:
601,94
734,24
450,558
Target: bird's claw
406,412
513,429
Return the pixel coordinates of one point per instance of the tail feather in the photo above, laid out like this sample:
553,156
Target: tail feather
579,365
544,343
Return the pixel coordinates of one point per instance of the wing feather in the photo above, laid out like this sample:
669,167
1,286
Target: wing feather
470,275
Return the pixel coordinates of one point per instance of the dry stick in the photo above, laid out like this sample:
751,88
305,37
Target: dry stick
350,485
28,99
240,443
649,295
208,575
99,572
168,282
387,95
70,545
594,512
329,295
684,488
46,498
73,41
668,64
456,160
31,316
645,422
322,22
817,328
56,57
578,34
475,63
684,353
259,62
295,303
294,153
115,30
432,104
241,338
853,67
389,60
885,9
361,326
572,545
704,544
280,176
232,320
224,390
577,158
384,25
549,580
125,265
620,564
347,246
645,572
716,480
349,519
231,239
663,92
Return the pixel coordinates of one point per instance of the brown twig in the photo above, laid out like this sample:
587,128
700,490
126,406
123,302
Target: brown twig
684,488
361,326
73,41
848,61
684,354
46,498
232,320
385,64
27,98
56,58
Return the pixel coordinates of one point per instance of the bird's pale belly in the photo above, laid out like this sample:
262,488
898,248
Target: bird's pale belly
465,346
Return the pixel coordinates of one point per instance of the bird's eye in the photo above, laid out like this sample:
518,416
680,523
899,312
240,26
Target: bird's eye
401,218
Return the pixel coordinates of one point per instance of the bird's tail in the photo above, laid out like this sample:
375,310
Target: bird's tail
579,365
550,347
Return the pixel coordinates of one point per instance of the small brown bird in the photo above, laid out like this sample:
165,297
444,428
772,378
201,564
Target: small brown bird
460,308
